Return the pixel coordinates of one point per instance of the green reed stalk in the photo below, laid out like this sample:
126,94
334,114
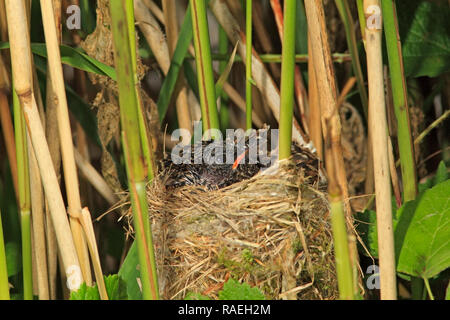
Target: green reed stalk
223,50
146,144
23,177
4,284
205,76
400,99
344,11
248,64
361,17
287,79
341,250
133,149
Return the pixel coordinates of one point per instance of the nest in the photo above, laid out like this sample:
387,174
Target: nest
270,231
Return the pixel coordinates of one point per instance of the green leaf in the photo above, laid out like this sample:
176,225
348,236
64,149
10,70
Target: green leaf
116,287
426,185
226,72
195,296
367,229
88,22
77,59
301,34
85,293
252,81
181,49
367,220
424,250
233,290
13,258
424,32
447,293
440,176
129,272
73,57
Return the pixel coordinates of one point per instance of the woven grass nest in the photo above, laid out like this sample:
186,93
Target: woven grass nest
271,231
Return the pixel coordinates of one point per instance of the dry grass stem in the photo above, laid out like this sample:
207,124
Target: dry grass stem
22,75
65,135
378,129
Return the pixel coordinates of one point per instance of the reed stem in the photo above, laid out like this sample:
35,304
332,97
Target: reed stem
4,284
132,145
223,111
341,249
400,99
65,135
143,129
23,178
344,11
38,229
327,89
171,24
287,79
203,61
22,76
378,128
248,64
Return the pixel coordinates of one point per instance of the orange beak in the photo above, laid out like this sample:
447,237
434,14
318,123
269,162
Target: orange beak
239,159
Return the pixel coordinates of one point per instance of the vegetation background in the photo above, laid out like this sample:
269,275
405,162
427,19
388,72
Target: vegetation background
374,101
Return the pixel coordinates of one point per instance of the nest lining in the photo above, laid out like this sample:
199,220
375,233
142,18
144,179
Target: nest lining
271,231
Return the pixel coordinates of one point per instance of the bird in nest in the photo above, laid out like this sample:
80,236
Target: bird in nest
207,163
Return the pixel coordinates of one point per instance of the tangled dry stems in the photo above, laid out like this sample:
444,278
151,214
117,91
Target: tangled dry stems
271,231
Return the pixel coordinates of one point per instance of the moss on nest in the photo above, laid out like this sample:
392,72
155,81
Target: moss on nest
271,231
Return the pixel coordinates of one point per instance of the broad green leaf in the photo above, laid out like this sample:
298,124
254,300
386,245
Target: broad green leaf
424,251
424,33
85,293
233,290
440,176
367,229
116,287
367,221
13,258
129,272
